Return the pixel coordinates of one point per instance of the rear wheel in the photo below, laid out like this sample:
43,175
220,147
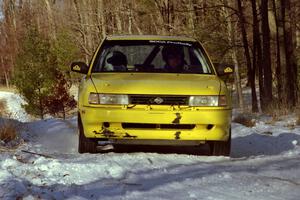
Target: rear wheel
221,148
85,145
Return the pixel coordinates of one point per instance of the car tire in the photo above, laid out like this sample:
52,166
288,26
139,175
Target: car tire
221,148
85,145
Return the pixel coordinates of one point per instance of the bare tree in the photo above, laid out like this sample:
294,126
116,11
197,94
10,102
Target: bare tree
50,19
266,52
82,30
289,44
233,52
250,69
231,30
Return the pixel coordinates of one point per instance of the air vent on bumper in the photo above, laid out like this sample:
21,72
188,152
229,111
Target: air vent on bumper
158,126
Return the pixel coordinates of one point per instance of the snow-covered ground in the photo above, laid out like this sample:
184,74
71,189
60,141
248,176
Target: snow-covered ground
14,106
265,164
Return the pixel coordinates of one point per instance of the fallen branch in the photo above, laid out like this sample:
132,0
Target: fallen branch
38,154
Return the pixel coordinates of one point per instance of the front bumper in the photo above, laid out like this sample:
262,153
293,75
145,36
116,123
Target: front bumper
143,123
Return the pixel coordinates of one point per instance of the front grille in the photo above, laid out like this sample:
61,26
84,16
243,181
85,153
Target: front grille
158,126
158,100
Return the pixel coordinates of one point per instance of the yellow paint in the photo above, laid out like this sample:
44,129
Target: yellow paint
220,118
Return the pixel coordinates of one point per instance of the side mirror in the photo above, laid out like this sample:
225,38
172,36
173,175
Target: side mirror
224,69
79,67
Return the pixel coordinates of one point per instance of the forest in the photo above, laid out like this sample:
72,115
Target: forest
260,38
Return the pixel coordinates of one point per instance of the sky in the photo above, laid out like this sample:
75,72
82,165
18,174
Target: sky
1,13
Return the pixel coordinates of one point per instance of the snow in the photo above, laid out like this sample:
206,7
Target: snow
265,164
14,106
53,135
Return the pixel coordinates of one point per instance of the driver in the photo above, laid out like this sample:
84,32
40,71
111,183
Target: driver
174,58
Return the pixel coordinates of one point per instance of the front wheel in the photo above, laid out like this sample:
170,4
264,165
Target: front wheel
85,145
221,148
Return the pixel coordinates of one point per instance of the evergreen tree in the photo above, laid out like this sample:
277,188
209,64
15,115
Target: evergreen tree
34,72
60,102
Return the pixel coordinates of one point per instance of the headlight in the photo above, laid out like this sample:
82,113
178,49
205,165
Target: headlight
207,100
110,99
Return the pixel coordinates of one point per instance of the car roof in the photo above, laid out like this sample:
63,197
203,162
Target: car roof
150,37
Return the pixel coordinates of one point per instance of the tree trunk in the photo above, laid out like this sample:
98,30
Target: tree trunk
41,106
50,20
157,30
64,111
257,51
279,76
291,66
87,26
119,18
237,80
10,26
129,13
232,40
191,17
6,78
137,26
165,8
81,30
4,70
251,72
266,52
102,18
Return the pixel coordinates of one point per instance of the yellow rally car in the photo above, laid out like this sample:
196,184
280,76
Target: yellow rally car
152,90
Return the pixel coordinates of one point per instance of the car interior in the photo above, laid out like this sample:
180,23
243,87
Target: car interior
148,58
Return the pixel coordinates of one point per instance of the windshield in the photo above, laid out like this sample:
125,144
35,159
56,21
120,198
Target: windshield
152,56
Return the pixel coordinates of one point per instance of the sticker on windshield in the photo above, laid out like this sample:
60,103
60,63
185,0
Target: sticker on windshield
170,42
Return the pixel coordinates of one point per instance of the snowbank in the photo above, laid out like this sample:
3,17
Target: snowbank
14,106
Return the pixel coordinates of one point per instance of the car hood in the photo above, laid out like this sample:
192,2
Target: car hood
147,83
